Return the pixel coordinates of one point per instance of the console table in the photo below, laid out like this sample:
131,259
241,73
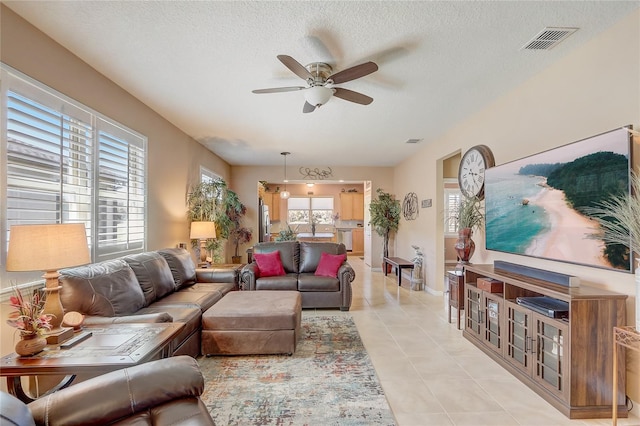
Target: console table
110,347
399,263
561,359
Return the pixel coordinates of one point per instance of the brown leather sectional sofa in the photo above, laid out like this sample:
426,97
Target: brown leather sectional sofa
300,260
155,286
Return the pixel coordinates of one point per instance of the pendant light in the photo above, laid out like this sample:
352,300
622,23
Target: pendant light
285,194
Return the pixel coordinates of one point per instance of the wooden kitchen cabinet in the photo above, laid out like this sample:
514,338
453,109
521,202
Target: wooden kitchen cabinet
351,206
273,201
357,241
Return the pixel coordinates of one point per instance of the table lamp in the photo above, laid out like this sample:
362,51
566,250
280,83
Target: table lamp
49,247
203,231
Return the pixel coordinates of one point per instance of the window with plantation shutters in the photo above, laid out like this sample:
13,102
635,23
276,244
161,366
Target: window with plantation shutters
452,199
64,163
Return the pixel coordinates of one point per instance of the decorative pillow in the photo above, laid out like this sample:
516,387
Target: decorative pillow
269,264
329,264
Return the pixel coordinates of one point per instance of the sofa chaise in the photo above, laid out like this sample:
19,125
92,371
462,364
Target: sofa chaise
300,262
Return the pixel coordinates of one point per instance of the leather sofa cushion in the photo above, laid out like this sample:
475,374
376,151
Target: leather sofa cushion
287,282
289,253
312,282
203,299
181,265
310,254
153,273
188,314
106,289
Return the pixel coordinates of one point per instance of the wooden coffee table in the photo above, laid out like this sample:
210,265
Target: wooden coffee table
110,347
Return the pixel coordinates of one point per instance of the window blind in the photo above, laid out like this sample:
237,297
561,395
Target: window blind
65,163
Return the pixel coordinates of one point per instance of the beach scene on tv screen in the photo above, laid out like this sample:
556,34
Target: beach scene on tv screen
534,205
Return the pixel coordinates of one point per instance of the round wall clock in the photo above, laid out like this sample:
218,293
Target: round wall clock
473,164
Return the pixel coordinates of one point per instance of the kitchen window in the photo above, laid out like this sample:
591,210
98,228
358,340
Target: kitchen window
301,209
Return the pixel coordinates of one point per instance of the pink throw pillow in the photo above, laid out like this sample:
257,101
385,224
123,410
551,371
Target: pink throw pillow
269,264
329,264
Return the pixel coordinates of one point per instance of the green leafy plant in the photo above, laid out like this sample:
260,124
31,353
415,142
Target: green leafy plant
287,234
214,202
469,214
385,217
619,223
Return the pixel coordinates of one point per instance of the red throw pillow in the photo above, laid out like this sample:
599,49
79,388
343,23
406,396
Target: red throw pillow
329,264
269,264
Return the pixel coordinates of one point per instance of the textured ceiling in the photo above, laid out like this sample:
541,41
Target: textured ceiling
196,62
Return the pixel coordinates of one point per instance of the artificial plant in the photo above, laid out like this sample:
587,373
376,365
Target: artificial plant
385,217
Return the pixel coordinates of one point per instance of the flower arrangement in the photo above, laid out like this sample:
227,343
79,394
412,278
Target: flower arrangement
27,315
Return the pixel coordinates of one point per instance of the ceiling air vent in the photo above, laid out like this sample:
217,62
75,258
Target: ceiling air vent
548,38
413,140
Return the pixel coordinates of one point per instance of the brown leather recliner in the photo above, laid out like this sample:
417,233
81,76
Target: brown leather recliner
162,392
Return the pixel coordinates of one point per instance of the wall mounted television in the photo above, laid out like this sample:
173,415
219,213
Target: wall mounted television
533,205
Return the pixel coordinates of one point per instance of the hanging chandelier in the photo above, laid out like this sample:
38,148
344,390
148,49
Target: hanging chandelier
285,194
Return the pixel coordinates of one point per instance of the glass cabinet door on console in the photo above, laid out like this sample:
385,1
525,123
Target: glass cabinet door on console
519,341
473,317
550,367
492,304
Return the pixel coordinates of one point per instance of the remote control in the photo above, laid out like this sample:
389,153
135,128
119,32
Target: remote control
84,335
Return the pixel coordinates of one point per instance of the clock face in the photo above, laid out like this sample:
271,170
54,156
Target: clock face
471,172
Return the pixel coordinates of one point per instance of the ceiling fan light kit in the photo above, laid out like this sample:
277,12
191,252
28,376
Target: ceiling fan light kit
321,82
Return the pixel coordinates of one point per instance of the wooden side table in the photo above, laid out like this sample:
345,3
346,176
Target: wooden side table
629,338
455,285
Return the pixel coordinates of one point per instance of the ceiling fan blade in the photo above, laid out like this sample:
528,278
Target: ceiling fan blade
351,96
308,107
354,72
278,89
295,67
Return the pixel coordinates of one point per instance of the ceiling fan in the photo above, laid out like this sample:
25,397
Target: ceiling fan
321,82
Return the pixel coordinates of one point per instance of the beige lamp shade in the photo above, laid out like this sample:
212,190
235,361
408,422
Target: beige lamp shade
202,230
47,247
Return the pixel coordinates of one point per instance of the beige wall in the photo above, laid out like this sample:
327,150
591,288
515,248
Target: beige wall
174,159
590,91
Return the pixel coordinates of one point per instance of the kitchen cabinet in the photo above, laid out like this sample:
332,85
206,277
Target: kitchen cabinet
351,206
561,359
273,201
357,241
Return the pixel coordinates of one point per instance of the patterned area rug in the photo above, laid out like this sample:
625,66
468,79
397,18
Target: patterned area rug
328,381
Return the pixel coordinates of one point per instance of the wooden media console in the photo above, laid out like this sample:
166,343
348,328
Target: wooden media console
564,360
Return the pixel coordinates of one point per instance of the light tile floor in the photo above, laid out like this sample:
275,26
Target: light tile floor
431,375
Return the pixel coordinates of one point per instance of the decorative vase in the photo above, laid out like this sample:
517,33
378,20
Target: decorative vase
30,344
464,245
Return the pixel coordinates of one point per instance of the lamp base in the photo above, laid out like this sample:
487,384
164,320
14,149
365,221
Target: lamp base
55,337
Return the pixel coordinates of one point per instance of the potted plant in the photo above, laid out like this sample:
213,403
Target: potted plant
468,216
240,236
214,202
385,217
619,226
287,234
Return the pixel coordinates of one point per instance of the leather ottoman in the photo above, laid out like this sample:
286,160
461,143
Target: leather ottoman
252,322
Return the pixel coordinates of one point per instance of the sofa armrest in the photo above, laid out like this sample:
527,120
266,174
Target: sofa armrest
248,276
346,275
128,319
130,391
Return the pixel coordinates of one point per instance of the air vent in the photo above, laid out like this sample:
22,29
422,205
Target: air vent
548,38
413,140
